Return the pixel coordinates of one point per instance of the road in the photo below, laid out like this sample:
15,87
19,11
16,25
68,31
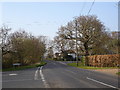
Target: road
57,74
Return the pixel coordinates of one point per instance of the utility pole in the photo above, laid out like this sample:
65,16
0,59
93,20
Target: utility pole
118,25
76,42
76,39
2,46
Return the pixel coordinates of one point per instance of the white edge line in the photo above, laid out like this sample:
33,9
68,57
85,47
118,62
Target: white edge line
101,82
42,77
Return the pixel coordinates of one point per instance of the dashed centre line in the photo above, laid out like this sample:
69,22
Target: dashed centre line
62,63
70,71
13,74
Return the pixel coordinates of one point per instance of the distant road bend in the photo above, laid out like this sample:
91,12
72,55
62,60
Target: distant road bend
57,74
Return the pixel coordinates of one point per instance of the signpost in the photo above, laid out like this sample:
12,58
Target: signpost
16,64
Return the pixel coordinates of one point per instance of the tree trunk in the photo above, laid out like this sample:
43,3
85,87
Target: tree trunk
86,53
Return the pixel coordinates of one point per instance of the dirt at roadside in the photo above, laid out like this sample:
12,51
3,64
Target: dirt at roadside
108,71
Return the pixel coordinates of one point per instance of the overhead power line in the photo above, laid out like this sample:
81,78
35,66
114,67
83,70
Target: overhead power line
91,7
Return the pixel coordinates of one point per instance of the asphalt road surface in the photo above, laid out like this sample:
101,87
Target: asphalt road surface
57,74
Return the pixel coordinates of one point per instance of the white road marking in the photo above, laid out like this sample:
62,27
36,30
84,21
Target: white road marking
36,74
80,80
62,63
101,82
43,79
70,71
13,74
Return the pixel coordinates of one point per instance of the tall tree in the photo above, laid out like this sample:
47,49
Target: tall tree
87,30
62,44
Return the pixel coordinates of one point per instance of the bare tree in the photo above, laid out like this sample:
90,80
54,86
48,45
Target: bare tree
87,30
61,43
4,43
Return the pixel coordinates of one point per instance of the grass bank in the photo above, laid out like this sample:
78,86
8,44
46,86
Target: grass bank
89,67
25,67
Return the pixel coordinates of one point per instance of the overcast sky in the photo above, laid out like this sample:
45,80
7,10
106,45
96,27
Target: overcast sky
44,18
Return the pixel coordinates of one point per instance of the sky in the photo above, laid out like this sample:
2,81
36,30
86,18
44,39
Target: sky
44,18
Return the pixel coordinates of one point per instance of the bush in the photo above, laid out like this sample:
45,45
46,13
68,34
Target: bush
7,61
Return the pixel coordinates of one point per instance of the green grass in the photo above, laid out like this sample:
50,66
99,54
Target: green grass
41,64
118,73
89,67
24,67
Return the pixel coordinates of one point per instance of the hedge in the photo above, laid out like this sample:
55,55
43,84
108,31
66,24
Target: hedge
104,60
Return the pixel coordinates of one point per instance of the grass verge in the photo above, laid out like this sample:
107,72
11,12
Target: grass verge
41,64
118,73
25,67
89,67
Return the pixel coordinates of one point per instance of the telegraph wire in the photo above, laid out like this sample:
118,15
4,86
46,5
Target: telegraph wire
91,7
